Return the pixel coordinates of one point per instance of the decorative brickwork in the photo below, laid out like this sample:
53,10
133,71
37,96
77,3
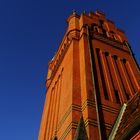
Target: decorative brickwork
91,75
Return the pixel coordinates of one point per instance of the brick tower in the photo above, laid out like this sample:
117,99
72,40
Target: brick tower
91,82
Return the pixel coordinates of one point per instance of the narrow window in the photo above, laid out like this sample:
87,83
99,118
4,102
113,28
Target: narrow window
101,23
104,32
96,29
102,74
127,96
106,53
114,37
132,84
115,57
117,96
124,61
55,138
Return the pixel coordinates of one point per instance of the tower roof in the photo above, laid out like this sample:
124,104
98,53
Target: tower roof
81,131
130,121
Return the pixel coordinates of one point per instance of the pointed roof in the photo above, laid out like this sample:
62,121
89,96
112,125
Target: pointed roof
81,133
129,122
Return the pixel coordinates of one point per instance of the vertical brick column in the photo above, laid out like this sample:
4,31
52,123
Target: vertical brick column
87,89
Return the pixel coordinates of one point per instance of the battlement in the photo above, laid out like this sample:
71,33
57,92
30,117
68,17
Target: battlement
98,21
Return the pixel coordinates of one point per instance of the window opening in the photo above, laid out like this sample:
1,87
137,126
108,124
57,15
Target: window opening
117,96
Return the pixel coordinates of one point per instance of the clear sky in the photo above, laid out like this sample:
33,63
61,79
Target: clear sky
30,33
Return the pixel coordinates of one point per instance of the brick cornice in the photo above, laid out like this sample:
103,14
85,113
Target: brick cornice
109,41
102,106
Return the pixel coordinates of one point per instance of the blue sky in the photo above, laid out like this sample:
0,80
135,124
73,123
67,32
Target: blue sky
30,33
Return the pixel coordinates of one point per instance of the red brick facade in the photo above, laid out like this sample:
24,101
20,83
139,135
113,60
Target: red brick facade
136,136
91,75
